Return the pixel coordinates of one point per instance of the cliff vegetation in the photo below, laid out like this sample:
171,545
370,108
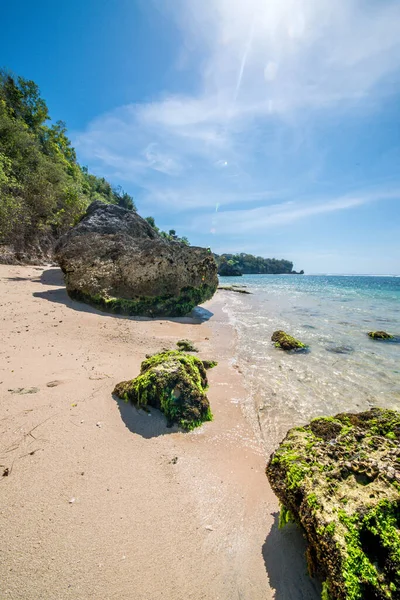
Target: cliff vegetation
43,189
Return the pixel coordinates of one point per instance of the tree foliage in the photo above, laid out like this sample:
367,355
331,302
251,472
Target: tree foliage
171,235
249,264
43,189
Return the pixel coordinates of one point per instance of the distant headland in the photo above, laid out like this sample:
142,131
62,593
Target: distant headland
235,265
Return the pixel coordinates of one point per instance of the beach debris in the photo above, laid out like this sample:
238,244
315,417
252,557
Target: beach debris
22,391
339,478
186,346
72,500
233,288
6,472
99,424
286,341
175,383
54,383
174,460
117,262
209,528
380,335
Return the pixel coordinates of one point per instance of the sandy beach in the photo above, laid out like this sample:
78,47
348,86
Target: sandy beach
100,501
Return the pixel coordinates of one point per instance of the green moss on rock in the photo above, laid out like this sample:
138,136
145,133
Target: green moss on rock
286,341
380,335
159,306
173,382
209,364
339,478
186,346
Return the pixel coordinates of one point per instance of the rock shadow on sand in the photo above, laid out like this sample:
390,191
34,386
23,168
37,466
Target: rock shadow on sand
146,424
52,277
284,557
48,277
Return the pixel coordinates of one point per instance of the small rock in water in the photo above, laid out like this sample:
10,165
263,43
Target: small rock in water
340,349
380,335
286,342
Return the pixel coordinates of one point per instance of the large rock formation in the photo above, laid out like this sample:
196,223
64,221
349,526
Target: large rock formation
173,382
339,477
114,260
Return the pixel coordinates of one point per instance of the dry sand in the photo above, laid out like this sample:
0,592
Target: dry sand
102,501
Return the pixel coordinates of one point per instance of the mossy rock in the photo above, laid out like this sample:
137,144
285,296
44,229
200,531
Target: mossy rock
339,478
380,335
286,342
157,306
186,346
173,382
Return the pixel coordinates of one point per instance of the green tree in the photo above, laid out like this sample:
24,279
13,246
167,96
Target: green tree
43,189
23,99
123,199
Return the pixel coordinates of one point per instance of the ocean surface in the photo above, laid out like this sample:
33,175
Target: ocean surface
343,371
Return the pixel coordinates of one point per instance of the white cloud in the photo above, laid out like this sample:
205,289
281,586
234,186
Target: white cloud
260,219
261,65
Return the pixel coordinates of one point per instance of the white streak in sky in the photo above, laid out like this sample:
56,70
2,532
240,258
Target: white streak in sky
244,59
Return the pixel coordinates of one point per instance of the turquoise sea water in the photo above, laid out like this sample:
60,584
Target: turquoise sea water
344,371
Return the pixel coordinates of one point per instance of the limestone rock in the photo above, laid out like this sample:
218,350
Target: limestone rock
339,478
114,260
173,382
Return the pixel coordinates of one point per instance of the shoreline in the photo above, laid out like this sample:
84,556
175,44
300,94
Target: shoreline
102,500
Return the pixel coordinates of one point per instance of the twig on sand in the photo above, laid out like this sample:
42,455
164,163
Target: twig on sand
36,426
16,444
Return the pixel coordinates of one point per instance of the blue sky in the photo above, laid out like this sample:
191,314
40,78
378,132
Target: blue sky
246,125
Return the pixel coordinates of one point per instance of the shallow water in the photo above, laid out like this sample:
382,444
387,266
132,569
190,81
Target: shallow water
344,371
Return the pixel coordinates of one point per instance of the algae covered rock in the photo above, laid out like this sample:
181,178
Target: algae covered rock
339,477
114,260
286,342
380,335
186,346
173,382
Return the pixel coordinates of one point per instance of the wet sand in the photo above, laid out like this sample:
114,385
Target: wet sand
102,501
